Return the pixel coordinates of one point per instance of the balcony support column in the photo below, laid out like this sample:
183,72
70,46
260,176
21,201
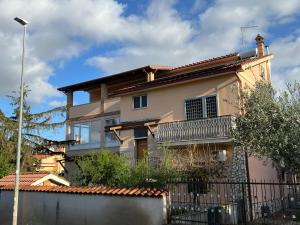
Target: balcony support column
102,110
68,123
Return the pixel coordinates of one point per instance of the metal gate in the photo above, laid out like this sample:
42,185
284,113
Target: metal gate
228,203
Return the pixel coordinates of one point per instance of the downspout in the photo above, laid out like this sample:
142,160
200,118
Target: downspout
269,61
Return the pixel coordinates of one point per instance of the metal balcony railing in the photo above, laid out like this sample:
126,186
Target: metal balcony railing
195,130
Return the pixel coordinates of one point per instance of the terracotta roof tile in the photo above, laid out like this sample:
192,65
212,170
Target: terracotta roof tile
169,79
25,178
99,190
207,60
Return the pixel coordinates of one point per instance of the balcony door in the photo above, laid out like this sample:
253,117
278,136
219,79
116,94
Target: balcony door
141,148
141,135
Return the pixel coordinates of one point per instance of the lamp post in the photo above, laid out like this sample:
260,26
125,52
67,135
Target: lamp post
16,198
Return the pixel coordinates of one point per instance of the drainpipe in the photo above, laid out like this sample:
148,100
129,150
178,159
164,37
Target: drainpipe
269,61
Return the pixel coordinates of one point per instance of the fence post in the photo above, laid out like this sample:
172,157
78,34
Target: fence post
244,217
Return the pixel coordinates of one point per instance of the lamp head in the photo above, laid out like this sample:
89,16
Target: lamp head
21,21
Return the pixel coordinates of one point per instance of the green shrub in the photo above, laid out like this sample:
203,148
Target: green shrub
107,168
103,168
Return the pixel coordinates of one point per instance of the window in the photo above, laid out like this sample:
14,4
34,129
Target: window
194,109
262,72
201,107
141,132
87,134
140,102
211,106
110,138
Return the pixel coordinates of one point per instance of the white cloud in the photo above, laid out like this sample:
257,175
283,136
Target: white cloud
56,103
61,30
286,64
171,40
57,31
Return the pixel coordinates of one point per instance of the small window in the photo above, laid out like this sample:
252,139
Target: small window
262,72
136,102
112,121
141,132
140,102
144,101
110,138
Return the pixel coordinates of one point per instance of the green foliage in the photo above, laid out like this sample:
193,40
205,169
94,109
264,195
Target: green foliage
270,124
104,168
107,168
5,166
31,138
33,123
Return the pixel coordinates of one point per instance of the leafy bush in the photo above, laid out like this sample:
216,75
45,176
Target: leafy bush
107,168
104,168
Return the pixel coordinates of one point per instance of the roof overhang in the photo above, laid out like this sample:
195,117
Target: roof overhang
174,80
111,78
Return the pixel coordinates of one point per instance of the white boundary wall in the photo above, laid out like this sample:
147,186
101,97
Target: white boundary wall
48,208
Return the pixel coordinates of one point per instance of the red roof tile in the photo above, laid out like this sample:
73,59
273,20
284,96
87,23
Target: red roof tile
25,178
207,60
99,190
169,79
85,84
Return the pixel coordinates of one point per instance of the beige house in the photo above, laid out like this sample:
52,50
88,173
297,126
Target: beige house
141,109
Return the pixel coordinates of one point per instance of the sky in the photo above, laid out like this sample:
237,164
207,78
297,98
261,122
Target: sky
70,41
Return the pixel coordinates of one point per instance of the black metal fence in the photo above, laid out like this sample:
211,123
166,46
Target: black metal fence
227,203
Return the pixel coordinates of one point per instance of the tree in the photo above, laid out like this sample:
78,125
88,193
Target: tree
33,124
269,125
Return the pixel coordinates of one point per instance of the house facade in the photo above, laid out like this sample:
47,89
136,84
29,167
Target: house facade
143,109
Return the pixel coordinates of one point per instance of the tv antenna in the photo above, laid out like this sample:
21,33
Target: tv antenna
243,29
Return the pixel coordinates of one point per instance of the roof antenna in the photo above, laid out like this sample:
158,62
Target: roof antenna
243,29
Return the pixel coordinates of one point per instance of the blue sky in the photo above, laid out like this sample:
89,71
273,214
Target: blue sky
70,41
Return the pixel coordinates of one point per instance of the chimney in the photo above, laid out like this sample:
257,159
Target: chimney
260,45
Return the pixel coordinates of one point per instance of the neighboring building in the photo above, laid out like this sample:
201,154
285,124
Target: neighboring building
50,162
51,156
34,179
140,109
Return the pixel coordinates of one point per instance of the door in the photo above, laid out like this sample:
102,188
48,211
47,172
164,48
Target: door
141,148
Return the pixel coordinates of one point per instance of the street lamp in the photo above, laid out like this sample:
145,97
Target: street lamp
16,198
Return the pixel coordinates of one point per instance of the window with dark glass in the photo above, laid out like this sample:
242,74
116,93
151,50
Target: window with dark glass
144,101
194,109
211,106
140,101
141,132
136,102
202,107
110,138
87,134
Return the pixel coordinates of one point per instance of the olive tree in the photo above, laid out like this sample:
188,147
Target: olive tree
269,124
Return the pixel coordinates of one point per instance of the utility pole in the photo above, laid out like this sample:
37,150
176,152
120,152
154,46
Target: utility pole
16,197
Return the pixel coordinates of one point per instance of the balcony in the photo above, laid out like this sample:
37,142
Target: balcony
112,105
210,130
89,109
